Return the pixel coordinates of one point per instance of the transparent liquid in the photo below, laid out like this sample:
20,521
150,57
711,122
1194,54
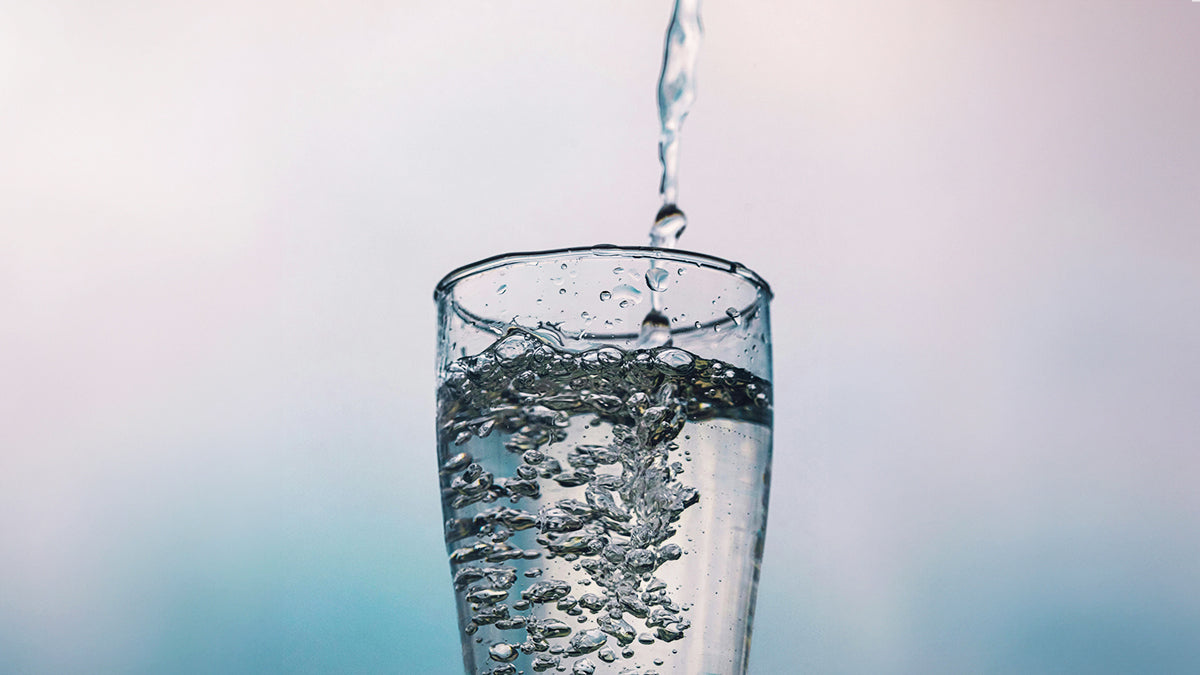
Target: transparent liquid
676,91
605,509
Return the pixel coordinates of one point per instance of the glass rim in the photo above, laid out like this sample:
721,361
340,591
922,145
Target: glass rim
604,250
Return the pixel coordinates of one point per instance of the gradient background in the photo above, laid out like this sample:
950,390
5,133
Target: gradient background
221,224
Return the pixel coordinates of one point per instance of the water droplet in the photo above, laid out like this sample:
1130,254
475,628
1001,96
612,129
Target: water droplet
656,279
669,224
501,289
732,313
583,667
605,295
618,270
626,295
655,331
562,266
562,291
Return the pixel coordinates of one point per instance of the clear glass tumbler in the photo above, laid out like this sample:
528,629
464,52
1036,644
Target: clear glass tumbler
604,444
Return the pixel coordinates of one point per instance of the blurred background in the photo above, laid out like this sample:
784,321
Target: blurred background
221,224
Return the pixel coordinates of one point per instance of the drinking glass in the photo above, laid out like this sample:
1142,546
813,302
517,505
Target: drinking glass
604,450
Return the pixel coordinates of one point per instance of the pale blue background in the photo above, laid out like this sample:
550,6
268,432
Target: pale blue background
221,223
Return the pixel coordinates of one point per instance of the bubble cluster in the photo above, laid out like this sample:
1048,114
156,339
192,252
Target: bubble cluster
609,508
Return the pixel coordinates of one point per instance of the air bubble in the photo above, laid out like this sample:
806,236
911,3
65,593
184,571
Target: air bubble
587,641
457,462
618,628
605,295
675,358
503,652
486,596
512,346
592,602
671,631
553,628
547,591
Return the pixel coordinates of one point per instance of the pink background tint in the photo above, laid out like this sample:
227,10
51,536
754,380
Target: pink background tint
221,224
